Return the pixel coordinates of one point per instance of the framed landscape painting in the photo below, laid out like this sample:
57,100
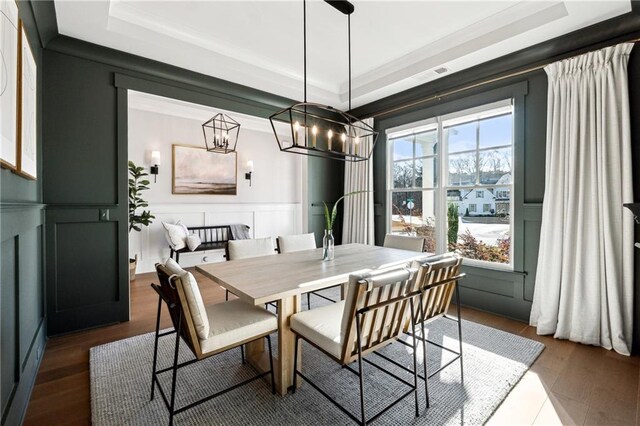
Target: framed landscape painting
27,147
198,171
8,84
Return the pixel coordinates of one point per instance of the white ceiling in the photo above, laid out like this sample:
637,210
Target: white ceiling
396,44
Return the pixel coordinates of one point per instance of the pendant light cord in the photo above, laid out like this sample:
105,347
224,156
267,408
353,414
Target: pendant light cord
304,38
349,38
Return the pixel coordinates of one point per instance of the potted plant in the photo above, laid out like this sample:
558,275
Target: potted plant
328,241
137,184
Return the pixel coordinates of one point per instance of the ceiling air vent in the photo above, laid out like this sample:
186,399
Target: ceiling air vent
440,70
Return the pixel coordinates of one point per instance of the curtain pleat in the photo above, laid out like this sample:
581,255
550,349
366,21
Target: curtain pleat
358,226
584,278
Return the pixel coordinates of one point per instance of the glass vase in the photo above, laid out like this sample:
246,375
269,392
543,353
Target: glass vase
328,244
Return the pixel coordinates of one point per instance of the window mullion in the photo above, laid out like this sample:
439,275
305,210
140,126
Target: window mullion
443,171
477,152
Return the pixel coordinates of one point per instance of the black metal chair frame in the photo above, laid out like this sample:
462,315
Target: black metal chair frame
360,373
458,355
170,401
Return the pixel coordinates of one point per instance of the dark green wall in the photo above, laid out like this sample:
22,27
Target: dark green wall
326,183
85,169
634,104
22,325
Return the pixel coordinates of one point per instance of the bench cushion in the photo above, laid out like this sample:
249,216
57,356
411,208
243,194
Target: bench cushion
236,321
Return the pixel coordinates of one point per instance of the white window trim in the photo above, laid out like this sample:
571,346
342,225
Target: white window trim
471,114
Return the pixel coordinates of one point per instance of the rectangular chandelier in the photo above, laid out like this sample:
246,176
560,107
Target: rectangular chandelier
322,131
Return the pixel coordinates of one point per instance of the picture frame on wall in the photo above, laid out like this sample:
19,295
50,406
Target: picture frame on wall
9,71
27,108
198,171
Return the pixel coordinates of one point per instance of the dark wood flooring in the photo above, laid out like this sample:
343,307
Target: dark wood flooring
568,384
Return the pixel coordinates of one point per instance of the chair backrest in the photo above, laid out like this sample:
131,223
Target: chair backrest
437,276
244,249
291,243
404,242
172,291
382,298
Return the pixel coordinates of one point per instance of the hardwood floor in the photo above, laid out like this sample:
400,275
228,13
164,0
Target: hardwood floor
568,384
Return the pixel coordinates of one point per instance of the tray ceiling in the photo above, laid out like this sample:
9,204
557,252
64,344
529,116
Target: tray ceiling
396,45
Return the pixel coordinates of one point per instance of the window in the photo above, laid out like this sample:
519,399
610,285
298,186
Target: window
438,171
414,180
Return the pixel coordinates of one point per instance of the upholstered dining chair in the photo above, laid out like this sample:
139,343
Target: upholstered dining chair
244,249
372,316
206,330
293,243
299,242
404,242
437,281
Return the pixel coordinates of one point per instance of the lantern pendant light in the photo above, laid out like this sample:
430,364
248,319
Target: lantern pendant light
313,129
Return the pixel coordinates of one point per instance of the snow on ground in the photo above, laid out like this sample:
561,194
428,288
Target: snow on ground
488,233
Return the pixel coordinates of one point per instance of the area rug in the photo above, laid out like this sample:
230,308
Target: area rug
494,361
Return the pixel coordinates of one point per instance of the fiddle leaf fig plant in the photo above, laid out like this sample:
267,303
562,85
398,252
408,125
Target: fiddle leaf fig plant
137,184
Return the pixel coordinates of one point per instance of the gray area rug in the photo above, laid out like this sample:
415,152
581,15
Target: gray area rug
494,361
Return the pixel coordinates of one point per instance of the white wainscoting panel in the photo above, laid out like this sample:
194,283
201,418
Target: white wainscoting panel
264,219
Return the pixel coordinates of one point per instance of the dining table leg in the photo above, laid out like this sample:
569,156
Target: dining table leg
286,343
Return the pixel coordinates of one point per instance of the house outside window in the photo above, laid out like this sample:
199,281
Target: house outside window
464,160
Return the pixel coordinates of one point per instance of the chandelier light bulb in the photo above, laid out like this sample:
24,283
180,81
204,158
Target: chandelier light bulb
314,132
296,128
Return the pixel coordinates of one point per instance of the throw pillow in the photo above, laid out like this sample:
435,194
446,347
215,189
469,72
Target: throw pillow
193,241
176,234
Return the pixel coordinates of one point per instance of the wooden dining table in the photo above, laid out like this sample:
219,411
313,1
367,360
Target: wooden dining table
283,279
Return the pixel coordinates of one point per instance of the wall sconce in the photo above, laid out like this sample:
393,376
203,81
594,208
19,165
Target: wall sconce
155,161
247,175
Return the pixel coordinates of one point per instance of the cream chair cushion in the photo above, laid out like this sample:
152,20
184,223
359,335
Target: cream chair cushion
322,327
194,298
236,321
291,243
404,242
243,249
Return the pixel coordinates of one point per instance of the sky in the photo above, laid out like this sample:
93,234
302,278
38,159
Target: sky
495,131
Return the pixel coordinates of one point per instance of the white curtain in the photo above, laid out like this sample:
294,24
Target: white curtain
584,279
358,208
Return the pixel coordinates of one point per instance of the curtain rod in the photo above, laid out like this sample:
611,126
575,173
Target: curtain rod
479,84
